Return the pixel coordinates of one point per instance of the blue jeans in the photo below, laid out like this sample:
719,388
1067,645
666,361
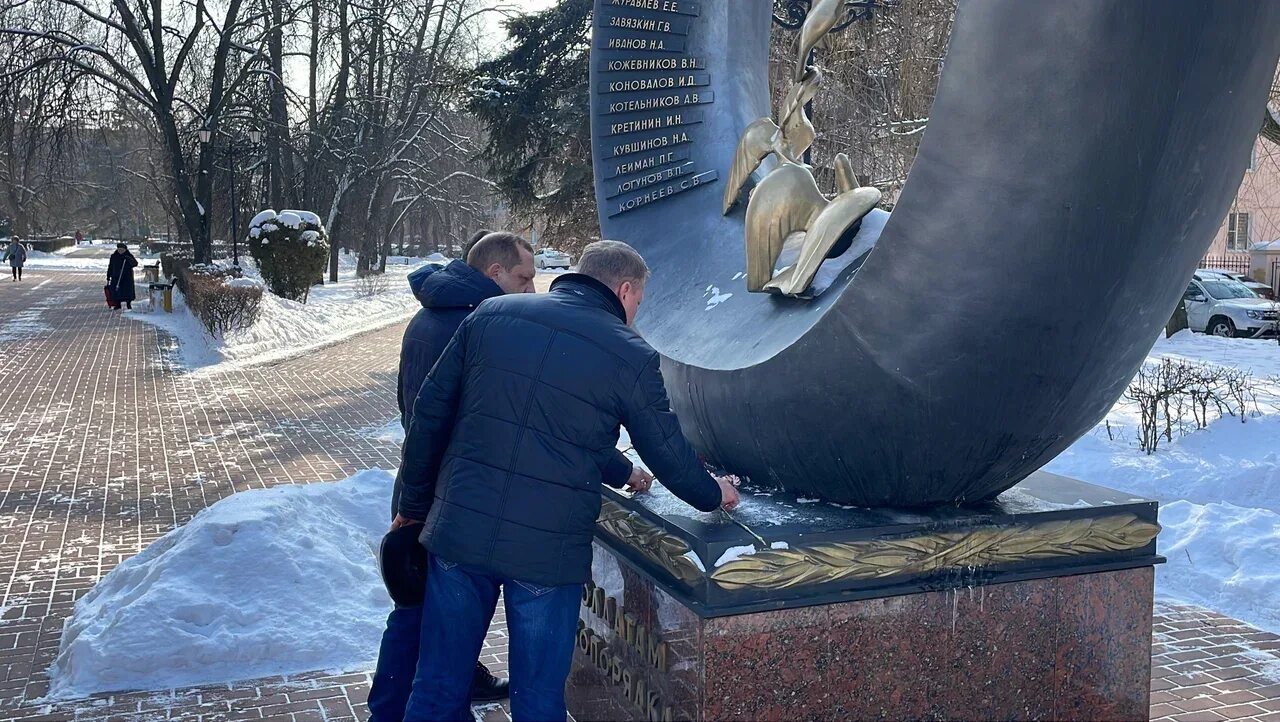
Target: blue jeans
541,622
397,665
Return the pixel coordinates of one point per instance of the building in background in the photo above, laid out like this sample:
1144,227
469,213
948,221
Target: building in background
1253,219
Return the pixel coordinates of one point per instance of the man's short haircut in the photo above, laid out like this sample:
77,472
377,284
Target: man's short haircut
501,248
613,263
471,242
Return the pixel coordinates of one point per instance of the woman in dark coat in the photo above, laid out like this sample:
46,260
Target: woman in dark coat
120,276
16,254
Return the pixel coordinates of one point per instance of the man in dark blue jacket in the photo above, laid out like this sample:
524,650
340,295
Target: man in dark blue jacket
448,294
503,460
497,264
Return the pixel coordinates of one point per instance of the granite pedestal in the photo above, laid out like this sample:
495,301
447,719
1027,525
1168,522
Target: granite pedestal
1034,606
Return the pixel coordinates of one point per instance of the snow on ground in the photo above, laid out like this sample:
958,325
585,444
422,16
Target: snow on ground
391,432
62,262
333,312
24,324
1218,488
262,583
87,256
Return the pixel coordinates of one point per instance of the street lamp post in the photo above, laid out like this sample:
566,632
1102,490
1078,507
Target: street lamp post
231,150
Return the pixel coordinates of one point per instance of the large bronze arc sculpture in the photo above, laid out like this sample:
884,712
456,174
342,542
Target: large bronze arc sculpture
1078,160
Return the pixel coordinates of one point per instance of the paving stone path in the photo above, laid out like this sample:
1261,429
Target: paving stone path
106,445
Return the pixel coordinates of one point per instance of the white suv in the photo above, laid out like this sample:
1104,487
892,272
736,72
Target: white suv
550,258
1222,306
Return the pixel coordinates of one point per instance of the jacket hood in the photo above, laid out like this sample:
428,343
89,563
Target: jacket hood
456,285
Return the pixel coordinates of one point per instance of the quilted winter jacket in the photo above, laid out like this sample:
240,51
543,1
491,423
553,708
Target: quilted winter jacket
517,421
448,295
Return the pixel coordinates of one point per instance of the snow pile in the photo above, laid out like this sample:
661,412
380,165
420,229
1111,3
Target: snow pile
63,262
1223,557
333,312
1219,487
244,283
265,582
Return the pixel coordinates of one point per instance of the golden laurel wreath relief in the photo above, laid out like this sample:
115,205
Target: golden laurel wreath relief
822,563
666,550
881,558
787,206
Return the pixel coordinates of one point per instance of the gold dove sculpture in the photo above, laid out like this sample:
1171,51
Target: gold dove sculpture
786,206
754,146
822,17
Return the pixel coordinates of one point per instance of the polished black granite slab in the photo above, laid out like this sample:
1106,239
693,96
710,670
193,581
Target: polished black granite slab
790,522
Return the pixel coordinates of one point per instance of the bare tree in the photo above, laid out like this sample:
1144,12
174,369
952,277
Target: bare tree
143,51
880,77
388,135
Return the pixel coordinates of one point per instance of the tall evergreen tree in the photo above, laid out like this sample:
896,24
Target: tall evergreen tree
533,101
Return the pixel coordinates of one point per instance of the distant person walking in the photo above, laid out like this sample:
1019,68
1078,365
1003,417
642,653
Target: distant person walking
16,254
120,277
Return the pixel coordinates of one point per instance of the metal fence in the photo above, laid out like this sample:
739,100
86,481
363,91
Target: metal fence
1235,263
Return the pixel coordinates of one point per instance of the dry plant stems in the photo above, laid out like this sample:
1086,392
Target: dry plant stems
1169,391
371,283
222,308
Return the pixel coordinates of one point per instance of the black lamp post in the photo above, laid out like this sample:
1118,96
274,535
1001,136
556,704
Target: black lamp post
230,151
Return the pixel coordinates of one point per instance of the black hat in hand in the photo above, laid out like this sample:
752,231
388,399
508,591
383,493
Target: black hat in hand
403,561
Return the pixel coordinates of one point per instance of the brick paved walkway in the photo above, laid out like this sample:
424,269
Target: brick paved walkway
105,447
1209,667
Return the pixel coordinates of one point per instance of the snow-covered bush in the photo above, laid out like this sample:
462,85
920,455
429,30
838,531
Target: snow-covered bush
370,283
223,304
290,248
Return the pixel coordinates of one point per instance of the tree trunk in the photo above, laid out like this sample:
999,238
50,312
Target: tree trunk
313,115
278,130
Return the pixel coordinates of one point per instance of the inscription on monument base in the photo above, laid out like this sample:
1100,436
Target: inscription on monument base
680,7
651,162
665,44
648,179
656,122
689,80
679,137
660,102
654,64
634,37
663,191
609,659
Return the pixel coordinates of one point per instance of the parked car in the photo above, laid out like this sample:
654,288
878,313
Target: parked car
550,258
1222,306
1257,287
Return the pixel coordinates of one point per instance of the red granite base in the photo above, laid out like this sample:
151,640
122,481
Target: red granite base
1072,647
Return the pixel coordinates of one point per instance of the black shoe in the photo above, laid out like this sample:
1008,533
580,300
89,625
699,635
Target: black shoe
486,687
